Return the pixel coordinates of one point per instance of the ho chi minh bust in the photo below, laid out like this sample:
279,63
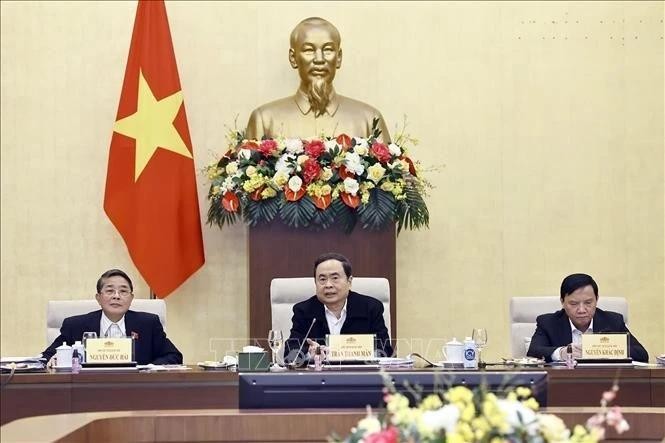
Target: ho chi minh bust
315,108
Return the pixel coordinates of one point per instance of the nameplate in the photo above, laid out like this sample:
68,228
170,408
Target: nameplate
605,346
350,347
108,350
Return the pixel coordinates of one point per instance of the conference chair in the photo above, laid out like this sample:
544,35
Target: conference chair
286,292
524,310
58,310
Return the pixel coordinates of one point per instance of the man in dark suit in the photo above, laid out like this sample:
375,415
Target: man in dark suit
337,310
554,332
115,293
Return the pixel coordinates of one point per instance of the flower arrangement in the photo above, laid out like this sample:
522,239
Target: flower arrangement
462,415
318,183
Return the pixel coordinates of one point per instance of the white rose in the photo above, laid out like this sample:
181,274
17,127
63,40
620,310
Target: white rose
370,425
245,154
362,142
351,186
330,145
302,159
394,149
352,163
361,150
283,164
295,183
293,145
376,172
518,415
228,184
326,174
232,168
250,171
443,418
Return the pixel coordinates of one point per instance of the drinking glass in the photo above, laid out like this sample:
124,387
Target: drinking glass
480,337
87,335
275,340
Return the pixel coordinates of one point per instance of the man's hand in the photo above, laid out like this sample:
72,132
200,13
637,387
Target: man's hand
312,348
577,351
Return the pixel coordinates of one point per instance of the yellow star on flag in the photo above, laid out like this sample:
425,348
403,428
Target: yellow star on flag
152,126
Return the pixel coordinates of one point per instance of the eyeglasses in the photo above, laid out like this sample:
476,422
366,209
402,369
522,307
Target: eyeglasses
122,292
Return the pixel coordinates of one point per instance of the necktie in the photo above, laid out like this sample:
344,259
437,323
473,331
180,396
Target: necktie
114,331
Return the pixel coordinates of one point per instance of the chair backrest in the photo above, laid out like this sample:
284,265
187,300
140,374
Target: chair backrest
524,310
58,310
286,292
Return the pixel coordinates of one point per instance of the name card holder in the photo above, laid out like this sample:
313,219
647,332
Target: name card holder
109,352
608,347
350,347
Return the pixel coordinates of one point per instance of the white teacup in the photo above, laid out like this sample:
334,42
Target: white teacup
63,355
453,351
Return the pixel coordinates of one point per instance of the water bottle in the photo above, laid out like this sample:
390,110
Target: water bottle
78,346
470,354
76,363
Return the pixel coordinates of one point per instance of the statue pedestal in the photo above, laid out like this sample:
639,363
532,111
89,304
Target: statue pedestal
276,250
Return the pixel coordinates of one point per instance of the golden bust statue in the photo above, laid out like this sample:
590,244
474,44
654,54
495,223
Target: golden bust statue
315,108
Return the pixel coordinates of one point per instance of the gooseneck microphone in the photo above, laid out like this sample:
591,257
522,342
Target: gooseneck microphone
294,363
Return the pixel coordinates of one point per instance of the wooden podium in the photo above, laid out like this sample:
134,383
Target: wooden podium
276,250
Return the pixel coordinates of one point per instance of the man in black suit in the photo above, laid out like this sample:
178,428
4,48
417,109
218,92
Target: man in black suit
115,293
337,310
554,332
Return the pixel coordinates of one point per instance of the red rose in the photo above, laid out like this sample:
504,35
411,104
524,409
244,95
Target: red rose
389,435
381,152
315,148
267,147
311,170
230,202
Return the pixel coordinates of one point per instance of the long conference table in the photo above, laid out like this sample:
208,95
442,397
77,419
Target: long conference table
37,394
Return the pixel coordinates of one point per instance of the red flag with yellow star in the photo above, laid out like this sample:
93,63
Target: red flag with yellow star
151,193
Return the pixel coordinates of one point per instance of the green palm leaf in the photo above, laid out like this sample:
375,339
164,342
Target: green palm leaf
298,214
379,210
345,217
262,211
219,216
412,212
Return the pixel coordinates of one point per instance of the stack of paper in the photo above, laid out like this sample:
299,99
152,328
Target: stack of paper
394,362
661,359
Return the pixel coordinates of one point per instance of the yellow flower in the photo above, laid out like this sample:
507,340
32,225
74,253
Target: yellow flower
531,403
364,198
468,412
216,190
280,178
523,392
459,394
454,437
250,171
387,186
302,159
431,402
268,193
465,431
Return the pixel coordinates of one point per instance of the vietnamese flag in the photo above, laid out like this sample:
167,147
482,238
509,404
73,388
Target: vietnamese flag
151,193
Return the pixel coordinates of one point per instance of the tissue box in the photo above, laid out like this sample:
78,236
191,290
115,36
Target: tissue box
253,361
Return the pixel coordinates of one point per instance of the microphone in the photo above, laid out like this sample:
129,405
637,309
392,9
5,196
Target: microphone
294,363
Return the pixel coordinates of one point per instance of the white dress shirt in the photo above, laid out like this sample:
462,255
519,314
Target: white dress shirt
105,324
577,339
335,324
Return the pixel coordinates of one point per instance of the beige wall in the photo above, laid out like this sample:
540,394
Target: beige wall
545,121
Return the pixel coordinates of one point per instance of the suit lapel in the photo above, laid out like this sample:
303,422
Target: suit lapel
93,322
564,327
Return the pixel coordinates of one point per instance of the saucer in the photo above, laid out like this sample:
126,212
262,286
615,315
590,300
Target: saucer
449,364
